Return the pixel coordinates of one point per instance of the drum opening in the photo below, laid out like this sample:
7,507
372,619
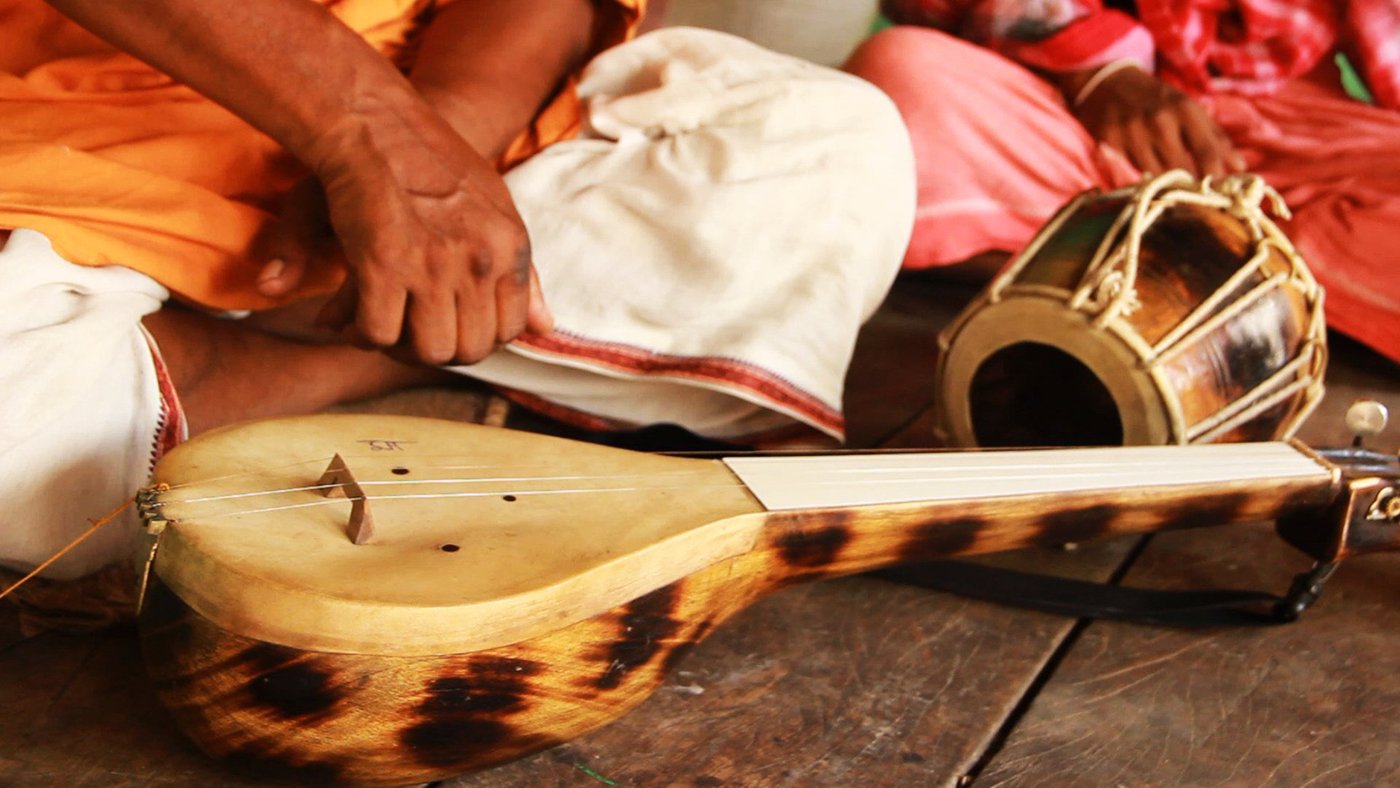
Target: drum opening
1032,394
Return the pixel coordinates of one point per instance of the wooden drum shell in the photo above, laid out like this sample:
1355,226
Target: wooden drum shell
1208,328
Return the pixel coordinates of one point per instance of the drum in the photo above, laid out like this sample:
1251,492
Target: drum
1175,311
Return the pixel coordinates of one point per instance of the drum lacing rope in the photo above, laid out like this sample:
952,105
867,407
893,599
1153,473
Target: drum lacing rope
1109,284
1243,196
1247,195
1108,289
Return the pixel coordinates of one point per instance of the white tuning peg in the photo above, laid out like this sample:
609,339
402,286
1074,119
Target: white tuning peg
1366,417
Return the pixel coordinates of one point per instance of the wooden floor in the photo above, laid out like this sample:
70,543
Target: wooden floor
866,682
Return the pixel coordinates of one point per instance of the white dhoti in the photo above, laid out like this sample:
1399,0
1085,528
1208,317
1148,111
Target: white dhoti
83,414
713,241
709,246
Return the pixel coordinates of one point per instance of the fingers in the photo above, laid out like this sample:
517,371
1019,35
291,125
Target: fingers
1140,145
513,296
440,323
477,330
339,311
540,320
438,258
281,275
380,314
287,245
285,251
432,327
1171,147
1179,134
1209,144
1157,127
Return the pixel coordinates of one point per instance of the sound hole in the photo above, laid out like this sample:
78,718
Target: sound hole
450,548
1029,394
400,471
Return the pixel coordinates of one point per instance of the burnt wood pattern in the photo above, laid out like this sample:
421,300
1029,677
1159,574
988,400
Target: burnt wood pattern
859,681
393,720
1187,255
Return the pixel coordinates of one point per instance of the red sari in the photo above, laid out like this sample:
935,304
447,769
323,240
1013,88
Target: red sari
997,156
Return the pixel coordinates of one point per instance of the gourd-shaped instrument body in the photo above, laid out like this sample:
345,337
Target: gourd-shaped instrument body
515,591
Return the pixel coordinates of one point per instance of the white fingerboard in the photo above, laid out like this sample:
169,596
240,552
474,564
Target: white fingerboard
821,482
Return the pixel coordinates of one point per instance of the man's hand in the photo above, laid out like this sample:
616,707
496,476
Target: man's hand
1155,125
438,259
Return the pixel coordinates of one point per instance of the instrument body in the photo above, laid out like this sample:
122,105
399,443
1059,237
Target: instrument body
280,644
1172,312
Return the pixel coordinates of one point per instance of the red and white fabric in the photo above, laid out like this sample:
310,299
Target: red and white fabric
1053,35
998,156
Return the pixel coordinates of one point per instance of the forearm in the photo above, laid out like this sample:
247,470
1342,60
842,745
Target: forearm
287,67
487,66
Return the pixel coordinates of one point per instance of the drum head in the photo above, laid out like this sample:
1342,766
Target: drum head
1029,372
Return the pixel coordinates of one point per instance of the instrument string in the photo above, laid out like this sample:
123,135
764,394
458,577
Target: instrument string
1104,474
404,482
991,455
1000,472
96,524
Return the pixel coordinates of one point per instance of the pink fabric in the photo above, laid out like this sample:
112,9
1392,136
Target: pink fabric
998,154
1248,46
1336,162
1055,35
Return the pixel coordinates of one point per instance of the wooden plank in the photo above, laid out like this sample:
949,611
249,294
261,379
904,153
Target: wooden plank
851,681
77,711
891,379
1314,702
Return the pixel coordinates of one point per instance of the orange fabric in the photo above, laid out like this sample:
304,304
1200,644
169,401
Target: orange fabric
118,164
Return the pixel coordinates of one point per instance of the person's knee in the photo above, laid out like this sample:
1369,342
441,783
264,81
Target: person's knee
870,174
922,69
897,54
876,118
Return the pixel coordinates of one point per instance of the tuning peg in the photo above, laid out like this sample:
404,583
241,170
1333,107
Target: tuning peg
1366,417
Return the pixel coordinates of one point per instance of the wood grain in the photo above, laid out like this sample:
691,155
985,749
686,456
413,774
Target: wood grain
389,716
853,681
1313,703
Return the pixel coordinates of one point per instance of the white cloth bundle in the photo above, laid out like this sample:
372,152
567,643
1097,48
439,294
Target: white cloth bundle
712,243
81,407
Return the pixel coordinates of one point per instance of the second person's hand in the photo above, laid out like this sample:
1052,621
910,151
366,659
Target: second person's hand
1155,125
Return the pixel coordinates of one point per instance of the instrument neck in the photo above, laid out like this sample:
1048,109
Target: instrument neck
842,514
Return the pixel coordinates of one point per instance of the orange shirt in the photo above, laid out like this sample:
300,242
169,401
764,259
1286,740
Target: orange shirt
118,164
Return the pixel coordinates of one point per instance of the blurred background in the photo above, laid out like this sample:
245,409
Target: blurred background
823,31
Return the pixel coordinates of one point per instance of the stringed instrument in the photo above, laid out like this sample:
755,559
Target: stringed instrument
392,600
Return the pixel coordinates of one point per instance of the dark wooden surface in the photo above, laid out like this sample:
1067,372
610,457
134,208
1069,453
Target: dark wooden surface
862,681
